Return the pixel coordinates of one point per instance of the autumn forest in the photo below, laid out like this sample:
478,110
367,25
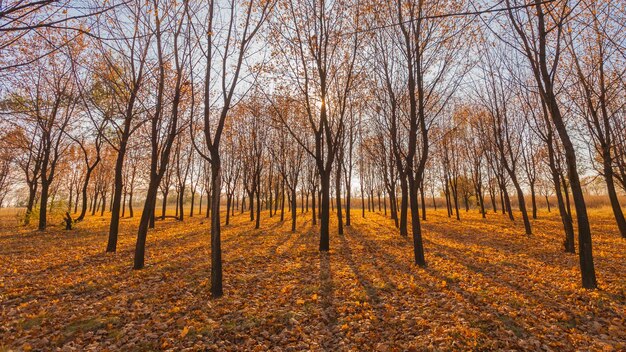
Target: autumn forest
312,175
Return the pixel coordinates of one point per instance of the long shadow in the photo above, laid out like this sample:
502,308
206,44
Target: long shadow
370,290
329,314
470,262
528,292
373,256
469,297
455,256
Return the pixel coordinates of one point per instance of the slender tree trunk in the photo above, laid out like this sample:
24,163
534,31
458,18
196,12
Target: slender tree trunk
124,204
338,199
228,202
142,233
164,205
293,209
43,205
313,207
193,201
200,202
566,193
610,187
325,212
258,207
404,206
130,205
94,206
421,189
533,199
208,204
269,203
216,241
83,210
481,201
282,201
251,207
348,201
566,219
418,248
181,201
587,269
522,207
104,203
117,195
448,200
393,204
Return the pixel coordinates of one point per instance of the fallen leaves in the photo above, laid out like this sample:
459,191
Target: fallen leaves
184,332
485,288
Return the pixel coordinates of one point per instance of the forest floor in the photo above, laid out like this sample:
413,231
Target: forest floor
487,287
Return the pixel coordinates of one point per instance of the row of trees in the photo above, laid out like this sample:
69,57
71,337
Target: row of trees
259,103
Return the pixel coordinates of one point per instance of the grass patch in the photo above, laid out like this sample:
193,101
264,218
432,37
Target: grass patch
32,322
86,325
513,326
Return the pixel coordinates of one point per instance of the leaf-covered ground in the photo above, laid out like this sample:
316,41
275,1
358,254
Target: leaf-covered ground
487,287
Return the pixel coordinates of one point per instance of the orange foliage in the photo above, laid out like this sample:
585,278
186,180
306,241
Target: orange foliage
486,287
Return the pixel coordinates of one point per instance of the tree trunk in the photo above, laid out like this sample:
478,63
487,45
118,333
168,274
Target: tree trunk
455,197
43,205
610,187
104,203
448,200
418,248
348,198
142,233
94,205
325,212
228,203
293,209
421,189
251,201
130,205
193,200
164,205
216,241
566,219
338,199
533,199
404,206
258,207
588,274
124,204
208,204
200,203
313,207
181,200
117,195
282,201
83,210
522,206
